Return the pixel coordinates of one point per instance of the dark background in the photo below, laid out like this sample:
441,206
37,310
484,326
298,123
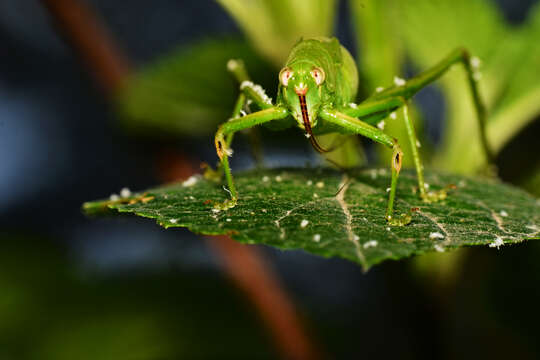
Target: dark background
74,287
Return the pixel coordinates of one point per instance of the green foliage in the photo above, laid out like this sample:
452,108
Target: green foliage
273,26
381,57
509,66
330,214
519,99
189,91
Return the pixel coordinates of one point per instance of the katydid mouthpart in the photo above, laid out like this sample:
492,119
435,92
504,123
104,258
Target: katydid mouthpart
316,93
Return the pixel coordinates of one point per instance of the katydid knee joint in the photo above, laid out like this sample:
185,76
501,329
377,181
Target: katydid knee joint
397,158
220,146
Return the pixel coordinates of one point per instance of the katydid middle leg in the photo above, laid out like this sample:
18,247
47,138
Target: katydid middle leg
373,111
415,84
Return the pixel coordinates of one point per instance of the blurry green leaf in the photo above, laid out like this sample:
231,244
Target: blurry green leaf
510,71
380,51
430,29
381,57
520,103
189,91
532,183
329,214
433,28
274,26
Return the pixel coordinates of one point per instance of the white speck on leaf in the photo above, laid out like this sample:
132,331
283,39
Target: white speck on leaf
125,192
315,195
388,229
304,223
228,220
399,81
320,184
317,237
426,186
379,89
381,124
278,178
114,197
173,221
356,237
371,243
393,115
503,213
215,210
388,189
309,183
436,235
438,248
265,178
498,242
353,105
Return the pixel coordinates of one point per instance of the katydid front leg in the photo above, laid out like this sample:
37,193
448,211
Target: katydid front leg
227,130
349,124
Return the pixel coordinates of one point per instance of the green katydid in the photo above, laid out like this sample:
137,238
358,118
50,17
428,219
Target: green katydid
317,90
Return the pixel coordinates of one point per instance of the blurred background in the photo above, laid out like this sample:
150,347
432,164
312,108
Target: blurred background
98,95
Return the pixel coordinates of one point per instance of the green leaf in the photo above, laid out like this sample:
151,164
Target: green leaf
329,214
381,58
430,29
274,26
510,71
189,91
520,103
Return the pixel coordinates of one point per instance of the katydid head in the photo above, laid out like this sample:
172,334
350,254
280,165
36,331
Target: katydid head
301,90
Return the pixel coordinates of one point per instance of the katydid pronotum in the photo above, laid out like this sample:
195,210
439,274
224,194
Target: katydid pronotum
317,90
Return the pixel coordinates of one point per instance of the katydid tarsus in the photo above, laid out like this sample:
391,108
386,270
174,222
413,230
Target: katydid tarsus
317,90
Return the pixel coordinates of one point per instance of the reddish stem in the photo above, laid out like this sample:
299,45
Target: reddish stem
253,276
87,36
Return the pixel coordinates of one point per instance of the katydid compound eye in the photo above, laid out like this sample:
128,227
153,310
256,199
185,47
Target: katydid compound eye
318,75
284,76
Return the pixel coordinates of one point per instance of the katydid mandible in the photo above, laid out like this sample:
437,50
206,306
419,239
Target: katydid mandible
317,90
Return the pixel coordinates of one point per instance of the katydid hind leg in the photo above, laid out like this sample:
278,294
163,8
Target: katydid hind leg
410,87
386,106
